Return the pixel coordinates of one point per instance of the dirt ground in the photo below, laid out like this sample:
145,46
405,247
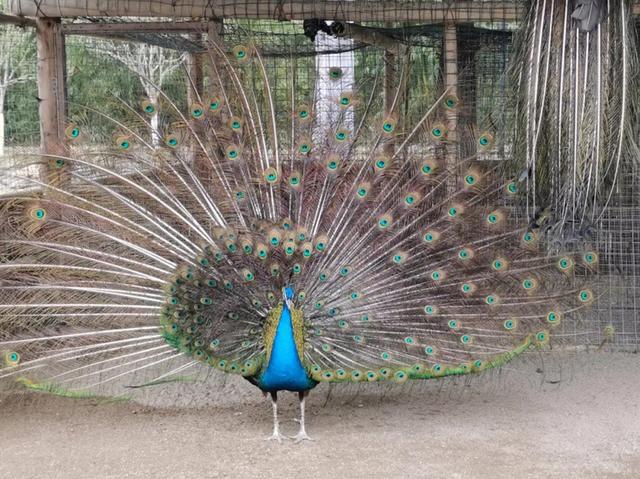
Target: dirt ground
570,417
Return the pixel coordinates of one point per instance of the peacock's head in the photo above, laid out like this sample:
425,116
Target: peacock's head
288,292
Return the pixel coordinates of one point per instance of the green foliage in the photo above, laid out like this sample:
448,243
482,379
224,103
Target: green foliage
21,115
94,80
17,75
92,75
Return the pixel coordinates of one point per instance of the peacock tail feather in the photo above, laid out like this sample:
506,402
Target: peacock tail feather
575,108
137,264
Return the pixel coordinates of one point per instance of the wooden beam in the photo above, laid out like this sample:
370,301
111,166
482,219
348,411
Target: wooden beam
370,36
397,70
467,93
427,11
195,68
18,21
51,91
195,81
114,29
215,45
375,10
390,88
390,85
450,54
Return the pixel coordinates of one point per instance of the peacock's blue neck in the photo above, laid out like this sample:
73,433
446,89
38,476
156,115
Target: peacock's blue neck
285,371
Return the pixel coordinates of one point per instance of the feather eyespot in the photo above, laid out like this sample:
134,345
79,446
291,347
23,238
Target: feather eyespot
450,102
241,53
72,132
197,110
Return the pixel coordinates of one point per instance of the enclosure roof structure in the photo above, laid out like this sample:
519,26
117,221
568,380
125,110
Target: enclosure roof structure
358,11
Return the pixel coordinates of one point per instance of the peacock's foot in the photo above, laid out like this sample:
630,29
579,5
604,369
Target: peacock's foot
276,436
301,436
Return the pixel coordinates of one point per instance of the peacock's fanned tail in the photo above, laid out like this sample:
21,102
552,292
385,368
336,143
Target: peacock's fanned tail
135,266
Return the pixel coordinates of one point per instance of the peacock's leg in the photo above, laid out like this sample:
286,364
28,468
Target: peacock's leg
276,436
302,433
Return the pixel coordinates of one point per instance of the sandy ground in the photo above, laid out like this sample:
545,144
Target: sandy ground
574,417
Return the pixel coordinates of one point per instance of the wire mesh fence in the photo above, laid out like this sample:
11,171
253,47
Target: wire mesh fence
307,62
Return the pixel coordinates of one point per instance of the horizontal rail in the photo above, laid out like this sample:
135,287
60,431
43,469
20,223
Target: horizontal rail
358,11
108,29
16,20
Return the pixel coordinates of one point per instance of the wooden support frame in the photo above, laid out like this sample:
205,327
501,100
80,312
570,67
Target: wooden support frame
450,58
390,87
114,29
196,72
17,21
370,36
425,11
215,42
380,10
195,82
51,79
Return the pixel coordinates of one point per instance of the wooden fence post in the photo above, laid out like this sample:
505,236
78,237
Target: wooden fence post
195,80
450,54
51,79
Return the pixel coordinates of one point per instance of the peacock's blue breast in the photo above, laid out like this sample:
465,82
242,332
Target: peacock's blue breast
285,371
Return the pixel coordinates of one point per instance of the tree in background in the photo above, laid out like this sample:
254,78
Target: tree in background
152,64
17,65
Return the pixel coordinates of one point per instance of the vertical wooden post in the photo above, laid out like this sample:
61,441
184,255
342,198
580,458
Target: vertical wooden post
195,79
394,90
390,88
394,61
396,65
206,78
215,30
51,79
196,74
450,54
467,92
215,43
390,67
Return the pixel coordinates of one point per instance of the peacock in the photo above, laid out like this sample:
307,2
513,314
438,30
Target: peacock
261,239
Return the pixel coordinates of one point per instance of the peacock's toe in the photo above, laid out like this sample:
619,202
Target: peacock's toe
276,436
301,436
